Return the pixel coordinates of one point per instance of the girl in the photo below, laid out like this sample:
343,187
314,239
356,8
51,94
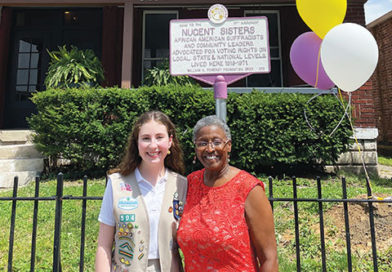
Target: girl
142,201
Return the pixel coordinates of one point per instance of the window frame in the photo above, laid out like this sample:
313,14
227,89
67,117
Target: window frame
29,69
262,12
147,12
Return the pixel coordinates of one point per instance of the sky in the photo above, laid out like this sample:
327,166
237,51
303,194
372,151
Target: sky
374,9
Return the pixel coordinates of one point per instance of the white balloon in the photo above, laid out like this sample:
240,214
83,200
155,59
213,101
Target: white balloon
349,54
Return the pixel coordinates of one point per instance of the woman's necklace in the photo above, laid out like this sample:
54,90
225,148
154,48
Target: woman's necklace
215,182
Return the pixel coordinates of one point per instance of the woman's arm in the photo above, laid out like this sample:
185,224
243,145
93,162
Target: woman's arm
103,258
262,231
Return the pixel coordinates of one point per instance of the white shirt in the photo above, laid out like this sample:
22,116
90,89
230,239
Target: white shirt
153,197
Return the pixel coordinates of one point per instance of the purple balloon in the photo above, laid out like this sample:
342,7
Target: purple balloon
304,54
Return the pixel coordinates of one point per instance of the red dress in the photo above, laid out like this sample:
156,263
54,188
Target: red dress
213,233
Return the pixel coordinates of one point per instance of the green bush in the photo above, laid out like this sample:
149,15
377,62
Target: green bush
73,68
160,76
269,131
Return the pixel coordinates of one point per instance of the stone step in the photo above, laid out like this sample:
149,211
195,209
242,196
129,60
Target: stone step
24,177
385,171
23,151
11,137
356,169
355,158
21,165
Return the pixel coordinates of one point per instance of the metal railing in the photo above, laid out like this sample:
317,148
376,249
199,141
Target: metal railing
320,202
59,198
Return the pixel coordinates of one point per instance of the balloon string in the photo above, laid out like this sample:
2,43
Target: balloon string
341,119
359,148
317,69
306,117
354,135
344,115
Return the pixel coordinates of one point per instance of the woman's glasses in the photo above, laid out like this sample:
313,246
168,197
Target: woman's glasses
216,144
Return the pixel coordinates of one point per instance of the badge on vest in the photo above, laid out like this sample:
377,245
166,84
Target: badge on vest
125,187
178,207
125,229
127,203
125,261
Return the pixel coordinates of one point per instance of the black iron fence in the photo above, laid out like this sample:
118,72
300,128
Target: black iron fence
320,202
59,198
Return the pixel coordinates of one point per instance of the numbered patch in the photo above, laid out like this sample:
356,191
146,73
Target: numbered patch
127,218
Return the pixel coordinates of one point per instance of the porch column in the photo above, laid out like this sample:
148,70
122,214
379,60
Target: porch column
5,32
126,74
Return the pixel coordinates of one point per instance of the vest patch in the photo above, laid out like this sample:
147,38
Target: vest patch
128,203
178,207
127,246
124,253
125,187
124,261
128,239
127,218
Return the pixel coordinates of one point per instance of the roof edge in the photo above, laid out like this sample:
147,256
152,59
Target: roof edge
379,20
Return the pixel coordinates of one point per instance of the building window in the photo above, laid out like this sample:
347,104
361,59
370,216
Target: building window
156,37
274,78
27,72
34,32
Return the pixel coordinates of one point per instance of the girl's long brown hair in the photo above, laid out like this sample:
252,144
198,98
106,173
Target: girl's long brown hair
131,158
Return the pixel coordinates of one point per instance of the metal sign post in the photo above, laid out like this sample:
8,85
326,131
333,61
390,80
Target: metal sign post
219,50
220,95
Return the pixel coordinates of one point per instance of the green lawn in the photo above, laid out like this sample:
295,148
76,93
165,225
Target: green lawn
283,212
385,160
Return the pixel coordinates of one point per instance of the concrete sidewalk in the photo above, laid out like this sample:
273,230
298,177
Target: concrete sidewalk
384,171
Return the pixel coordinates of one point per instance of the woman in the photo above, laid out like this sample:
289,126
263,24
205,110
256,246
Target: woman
227,224
142,201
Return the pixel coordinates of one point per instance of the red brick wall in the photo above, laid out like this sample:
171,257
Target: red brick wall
355,14
382,79
363,103
364,113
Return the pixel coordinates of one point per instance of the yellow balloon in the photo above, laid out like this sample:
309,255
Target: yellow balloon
322,15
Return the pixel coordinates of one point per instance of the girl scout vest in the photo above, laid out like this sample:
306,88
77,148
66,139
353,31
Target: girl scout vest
132,223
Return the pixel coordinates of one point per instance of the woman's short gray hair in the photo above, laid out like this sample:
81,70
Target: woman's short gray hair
211,120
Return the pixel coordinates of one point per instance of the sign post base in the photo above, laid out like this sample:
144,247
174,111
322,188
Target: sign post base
220,95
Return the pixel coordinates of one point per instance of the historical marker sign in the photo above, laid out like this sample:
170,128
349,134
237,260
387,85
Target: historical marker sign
238,46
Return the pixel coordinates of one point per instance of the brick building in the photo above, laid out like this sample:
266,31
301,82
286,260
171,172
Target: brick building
130,36
382,79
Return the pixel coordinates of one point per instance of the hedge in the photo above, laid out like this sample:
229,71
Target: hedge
89,127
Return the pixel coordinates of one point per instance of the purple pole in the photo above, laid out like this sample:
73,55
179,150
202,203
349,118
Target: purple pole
220,95
220,88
